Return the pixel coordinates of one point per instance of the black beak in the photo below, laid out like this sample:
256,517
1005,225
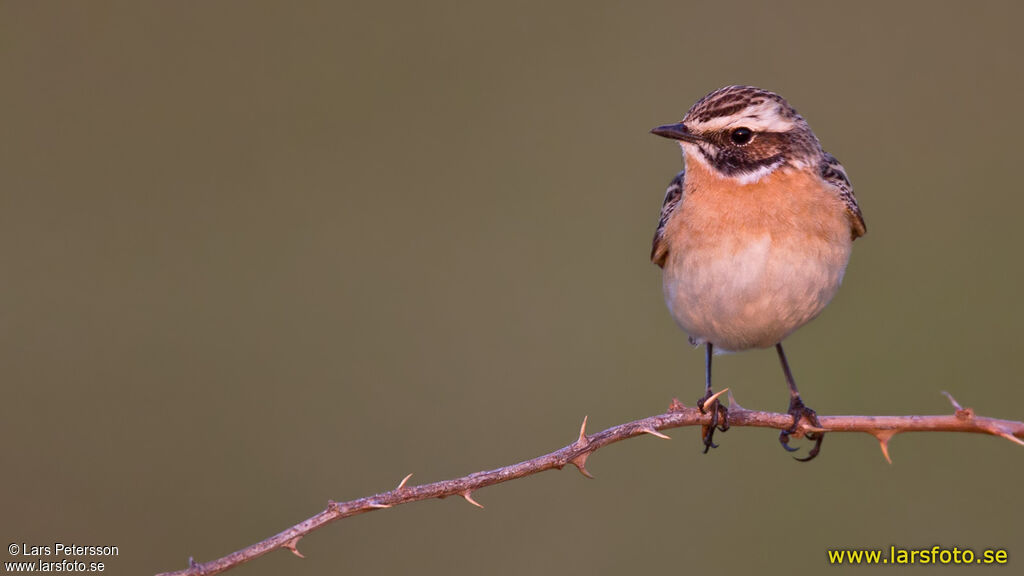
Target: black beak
676,132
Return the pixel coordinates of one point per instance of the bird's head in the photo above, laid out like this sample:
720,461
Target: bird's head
744,133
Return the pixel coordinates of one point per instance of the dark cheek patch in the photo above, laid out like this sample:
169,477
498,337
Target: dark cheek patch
764,150
736,163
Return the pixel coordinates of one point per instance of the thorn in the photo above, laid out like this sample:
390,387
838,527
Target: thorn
885,450
468,495
377,505
654,432
953,401
676,406
1011,437
293,546
961,412
192,563
404,480
581,464
883,440
582,440
715,396
734,406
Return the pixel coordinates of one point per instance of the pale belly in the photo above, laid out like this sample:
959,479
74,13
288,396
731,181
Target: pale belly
751,291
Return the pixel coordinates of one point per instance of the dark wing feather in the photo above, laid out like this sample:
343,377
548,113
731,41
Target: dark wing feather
834,173
673,197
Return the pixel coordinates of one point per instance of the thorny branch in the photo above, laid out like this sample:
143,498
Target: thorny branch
881,427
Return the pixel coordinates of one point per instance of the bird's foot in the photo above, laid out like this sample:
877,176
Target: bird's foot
799,411
719,419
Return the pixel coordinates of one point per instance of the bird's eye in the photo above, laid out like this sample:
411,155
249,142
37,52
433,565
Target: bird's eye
741,136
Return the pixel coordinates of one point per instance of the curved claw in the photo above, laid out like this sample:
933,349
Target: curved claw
719,418
798,410
709,431
784,440
708,444
814,451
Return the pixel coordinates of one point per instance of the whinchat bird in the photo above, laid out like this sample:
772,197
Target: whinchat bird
755,233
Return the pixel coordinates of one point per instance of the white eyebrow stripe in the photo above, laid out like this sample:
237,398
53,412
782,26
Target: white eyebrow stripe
762,117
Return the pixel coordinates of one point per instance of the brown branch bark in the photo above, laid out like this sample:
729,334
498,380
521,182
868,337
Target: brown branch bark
881,427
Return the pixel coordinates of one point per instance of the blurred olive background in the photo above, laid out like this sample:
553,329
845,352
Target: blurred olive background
256,256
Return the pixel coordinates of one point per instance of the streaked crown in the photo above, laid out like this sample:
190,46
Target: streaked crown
745,132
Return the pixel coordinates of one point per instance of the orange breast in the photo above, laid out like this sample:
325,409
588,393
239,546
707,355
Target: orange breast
749,264
785,203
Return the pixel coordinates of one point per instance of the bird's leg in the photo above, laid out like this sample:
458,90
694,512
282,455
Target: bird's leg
798,410
719,413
